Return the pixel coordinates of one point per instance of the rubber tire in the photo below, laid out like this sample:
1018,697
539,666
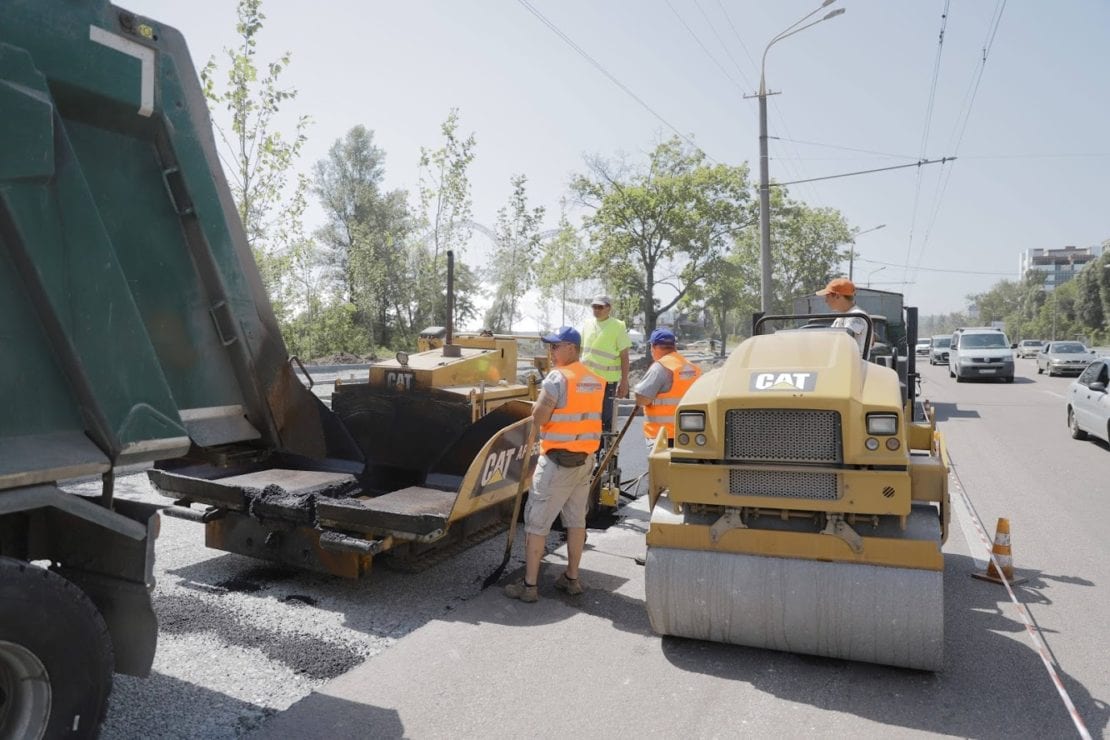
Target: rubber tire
1040,370
1009,378
960,378
1073,425
950,373
56,621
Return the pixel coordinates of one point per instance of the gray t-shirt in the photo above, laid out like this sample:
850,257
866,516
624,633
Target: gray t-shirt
856,326
555,386
656,380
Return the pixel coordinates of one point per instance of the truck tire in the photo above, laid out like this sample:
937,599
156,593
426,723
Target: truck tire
56,658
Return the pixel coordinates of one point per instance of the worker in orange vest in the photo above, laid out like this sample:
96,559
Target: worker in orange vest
568,417
663,386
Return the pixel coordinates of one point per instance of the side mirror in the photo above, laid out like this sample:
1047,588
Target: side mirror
1098,386
1013,346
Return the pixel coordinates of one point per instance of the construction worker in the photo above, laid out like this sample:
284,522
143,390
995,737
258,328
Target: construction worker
567,415
840,297
605,345
663,386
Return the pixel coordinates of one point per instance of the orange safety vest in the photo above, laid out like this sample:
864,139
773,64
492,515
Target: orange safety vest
659,414
576,427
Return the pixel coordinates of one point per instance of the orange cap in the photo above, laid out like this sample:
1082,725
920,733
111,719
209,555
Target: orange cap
840,286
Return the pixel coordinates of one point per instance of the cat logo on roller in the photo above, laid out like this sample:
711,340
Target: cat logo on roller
783,381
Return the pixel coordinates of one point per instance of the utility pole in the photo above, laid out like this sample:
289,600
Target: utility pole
765,285
852,250
764,207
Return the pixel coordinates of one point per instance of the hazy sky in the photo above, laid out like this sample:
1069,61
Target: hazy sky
1032,155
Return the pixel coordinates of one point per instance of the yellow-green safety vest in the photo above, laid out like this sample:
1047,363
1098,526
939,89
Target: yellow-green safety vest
602,343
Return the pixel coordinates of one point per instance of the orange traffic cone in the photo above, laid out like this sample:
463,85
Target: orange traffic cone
1002,555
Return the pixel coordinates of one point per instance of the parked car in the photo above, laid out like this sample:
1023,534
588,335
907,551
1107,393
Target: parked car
938,354
981,352
1029,347
1059,358
923,347
1089,402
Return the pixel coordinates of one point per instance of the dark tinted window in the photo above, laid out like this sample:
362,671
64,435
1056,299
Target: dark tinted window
983,341
1068,348
942,342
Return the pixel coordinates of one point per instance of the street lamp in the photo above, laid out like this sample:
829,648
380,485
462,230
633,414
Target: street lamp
852,253
764,179
877,269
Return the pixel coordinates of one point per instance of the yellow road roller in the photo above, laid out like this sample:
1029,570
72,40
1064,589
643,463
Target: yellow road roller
802,507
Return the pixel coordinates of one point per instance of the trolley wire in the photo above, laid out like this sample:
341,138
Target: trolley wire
925,136
612,78
961,125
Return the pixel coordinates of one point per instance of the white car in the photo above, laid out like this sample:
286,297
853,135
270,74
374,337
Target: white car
1089,402
924,346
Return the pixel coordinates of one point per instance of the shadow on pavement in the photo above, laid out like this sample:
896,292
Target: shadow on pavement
1019,701
335,719
946,411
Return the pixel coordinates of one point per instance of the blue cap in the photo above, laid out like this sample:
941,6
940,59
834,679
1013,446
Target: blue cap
564,334
662,336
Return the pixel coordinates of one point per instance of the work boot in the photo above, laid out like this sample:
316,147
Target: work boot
524,592
572,586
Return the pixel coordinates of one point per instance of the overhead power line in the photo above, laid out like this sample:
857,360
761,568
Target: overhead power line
935,269
600,68
925,134
922,163
961,125
1013,155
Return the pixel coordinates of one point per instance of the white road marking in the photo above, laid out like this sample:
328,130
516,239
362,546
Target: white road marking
1053,394
146,63
974,545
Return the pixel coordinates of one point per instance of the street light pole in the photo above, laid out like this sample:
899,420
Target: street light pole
852,250
764,175
877,269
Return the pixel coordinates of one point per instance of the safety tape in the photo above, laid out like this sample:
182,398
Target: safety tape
1023,612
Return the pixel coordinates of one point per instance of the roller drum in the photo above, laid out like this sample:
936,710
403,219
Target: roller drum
875,614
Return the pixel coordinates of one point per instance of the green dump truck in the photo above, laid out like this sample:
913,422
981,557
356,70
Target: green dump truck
135,331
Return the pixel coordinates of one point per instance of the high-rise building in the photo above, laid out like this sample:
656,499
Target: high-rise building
1057,265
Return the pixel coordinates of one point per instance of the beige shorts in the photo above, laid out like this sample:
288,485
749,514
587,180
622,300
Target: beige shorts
557,490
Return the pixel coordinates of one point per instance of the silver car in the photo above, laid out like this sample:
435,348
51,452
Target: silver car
1029,347
1064,357
1089,402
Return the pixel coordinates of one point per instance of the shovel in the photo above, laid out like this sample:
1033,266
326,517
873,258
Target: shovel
613,448
493,577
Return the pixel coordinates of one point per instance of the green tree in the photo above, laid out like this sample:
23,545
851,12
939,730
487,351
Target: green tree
729,295
259,159
514,255
444,224
365,232
660,225
1088,300
806,248
559,269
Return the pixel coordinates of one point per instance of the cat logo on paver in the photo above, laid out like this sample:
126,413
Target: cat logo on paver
783,381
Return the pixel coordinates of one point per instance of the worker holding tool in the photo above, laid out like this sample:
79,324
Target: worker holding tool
568,417
663,386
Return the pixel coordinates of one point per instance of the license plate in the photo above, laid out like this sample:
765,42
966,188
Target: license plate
987,371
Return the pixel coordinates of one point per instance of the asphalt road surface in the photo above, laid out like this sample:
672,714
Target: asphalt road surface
246,648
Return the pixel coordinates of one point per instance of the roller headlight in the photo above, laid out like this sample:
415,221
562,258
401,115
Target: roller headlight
884,424
691,421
